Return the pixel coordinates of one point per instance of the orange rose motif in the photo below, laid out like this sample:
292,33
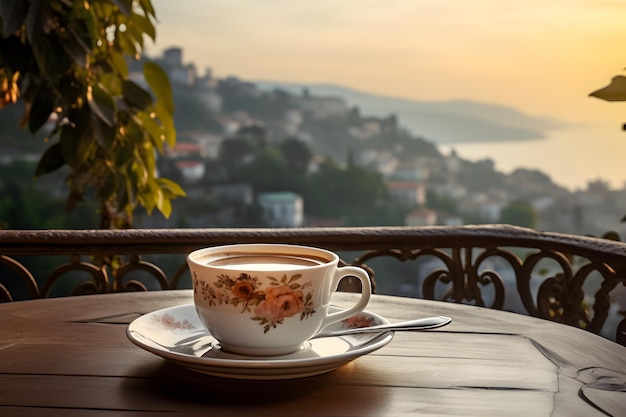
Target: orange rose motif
280,302
243,290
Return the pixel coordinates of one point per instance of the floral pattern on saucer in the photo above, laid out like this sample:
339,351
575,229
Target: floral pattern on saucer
169,322
358,321
284,297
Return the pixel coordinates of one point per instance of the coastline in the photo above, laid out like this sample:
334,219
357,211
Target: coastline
572,157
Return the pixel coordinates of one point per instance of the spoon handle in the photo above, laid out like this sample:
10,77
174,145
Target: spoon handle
418,324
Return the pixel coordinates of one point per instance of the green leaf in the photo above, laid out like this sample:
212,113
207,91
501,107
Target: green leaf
612,235
111,83
127,44
125,6
12,15
147,7
143,24
172,189
135,34
616,91
75,48
51,160
154,130
166,208
148,198
163,204
104,134
167,121
118,63
69,142
101,104
39,20
135,95
91,20
160,85
41,109
123,154
148,158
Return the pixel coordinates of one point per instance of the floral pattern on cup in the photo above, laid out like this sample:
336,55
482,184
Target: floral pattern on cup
284,297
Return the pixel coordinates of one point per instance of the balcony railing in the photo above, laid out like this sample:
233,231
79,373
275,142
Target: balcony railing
577,280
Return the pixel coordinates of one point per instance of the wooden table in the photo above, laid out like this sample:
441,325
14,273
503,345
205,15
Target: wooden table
71,356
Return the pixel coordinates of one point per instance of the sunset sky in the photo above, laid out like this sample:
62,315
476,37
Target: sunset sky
541,57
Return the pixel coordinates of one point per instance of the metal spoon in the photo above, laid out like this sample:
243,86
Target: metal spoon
418,324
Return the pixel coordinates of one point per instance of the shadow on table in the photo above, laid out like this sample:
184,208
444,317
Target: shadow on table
180,388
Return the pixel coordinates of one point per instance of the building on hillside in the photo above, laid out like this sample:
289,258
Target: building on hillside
241,88
206,89
409,193
178,72
411,171
320,107
370,127
382,161
182,150
282,209
450,189
483,206
191,170
209,142
233,193
173,57
421,217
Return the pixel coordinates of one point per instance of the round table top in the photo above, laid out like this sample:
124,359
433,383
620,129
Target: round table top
71,356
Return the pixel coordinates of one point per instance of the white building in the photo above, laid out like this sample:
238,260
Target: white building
282,209
409,193
191,170
421,217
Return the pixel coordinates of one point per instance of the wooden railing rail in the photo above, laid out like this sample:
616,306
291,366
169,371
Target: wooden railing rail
573,279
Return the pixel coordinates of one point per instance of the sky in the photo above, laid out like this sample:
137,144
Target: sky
540,57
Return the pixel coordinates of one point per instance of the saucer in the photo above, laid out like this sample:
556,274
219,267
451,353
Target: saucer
177,334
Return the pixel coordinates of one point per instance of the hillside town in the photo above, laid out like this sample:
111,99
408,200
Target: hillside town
409,178
213,113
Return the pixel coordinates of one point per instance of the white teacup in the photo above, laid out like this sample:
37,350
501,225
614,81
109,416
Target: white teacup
268,299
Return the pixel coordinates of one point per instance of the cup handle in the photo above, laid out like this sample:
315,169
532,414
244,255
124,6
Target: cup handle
366,292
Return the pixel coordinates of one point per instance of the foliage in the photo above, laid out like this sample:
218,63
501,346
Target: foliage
355,194
437,202
297,154
25,204
519,213
65,62
269,172
615,91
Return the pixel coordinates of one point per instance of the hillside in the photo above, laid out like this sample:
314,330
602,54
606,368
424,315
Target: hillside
443,122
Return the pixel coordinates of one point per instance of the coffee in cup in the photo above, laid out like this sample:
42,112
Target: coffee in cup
268,299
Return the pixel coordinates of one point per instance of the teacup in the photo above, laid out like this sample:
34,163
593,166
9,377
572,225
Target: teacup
268,299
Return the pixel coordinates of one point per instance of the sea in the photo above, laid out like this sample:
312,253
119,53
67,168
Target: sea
572,157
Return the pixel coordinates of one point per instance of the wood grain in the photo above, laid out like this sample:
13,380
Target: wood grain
72,357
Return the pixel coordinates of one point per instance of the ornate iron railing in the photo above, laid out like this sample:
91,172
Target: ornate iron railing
566,278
